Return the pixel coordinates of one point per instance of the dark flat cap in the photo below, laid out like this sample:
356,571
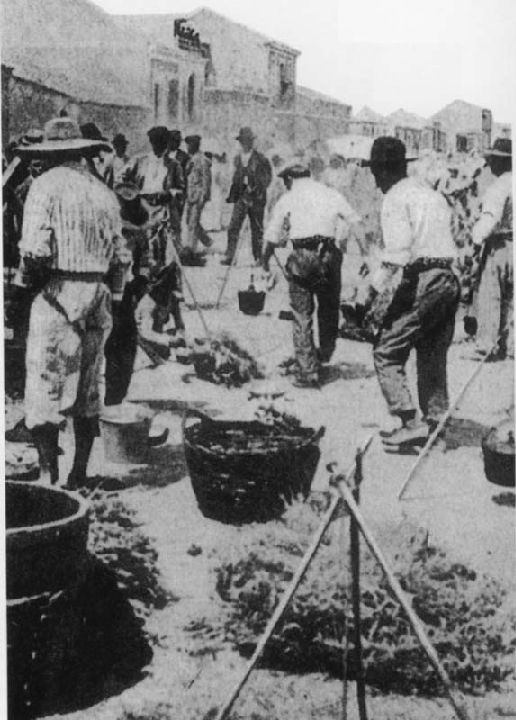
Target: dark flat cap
295,172
90,131
192,139
159,133
120,139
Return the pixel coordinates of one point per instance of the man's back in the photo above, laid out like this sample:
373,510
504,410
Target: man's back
72,218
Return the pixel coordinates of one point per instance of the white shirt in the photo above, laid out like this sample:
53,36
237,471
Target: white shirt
154,172
416,223
245,157
496,209
308,209
73,219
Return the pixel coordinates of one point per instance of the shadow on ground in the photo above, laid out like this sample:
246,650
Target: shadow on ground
461,432
86,646
166,465
346,371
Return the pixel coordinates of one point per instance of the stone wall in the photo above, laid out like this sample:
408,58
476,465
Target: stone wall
29,105
225,111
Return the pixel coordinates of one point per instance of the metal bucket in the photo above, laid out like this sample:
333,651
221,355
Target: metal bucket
125,432
251,302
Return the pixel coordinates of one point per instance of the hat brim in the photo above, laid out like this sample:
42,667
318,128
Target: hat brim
245,137
496,153
76,146
368,163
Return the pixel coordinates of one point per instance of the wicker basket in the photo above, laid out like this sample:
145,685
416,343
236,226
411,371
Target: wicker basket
247,483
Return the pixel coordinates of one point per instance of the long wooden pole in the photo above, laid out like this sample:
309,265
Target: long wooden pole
287,597
356,599
190,289
228,270
433,437
456,701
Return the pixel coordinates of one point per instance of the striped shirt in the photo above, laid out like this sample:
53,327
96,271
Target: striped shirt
72,219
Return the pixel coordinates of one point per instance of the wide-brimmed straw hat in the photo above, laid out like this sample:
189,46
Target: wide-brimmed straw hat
62,136
502,147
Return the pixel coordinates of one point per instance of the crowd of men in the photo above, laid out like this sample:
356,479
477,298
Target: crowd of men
90,212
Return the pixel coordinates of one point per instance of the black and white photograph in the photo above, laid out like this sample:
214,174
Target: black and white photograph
258,360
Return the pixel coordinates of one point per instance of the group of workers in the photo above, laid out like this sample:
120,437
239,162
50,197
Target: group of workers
73,236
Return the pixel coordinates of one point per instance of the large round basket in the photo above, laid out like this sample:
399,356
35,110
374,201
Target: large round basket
245,471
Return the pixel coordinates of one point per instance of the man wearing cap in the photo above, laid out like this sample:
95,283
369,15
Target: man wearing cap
198,193
115,165
492,236
310,215
71,233
414,295
252,176
151,173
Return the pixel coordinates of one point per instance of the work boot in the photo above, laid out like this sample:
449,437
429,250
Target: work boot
307,382
85,431
412,433
46,440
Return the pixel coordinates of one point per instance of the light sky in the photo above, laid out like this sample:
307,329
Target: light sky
415,54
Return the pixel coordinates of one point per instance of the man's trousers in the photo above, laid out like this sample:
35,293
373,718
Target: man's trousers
314,274
422,317
241,210
194,229
495,299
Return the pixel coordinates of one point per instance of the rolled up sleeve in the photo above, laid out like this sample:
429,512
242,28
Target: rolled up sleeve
274,232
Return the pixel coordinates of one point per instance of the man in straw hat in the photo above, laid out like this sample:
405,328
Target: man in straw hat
309,215
415,293
72,232
492,236
248,192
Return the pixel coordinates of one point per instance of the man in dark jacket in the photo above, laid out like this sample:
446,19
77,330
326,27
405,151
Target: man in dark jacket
252,177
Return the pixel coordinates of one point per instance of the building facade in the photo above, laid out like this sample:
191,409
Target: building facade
467,126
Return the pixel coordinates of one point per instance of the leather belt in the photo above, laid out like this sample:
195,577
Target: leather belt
311,243
429,263
83,276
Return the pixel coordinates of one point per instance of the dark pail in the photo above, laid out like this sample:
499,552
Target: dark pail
251,302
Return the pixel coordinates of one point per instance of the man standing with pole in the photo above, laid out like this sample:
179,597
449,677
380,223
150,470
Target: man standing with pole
71,233
414,295
308,215
248,192
493,234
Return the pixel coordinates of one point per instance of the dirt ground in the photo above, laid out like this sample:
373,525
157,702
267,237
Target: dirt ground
450,497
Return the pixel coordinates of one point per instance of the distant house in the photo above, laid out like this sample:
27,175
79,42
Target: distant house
467,126
408,127
319,116
73,55
368,122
